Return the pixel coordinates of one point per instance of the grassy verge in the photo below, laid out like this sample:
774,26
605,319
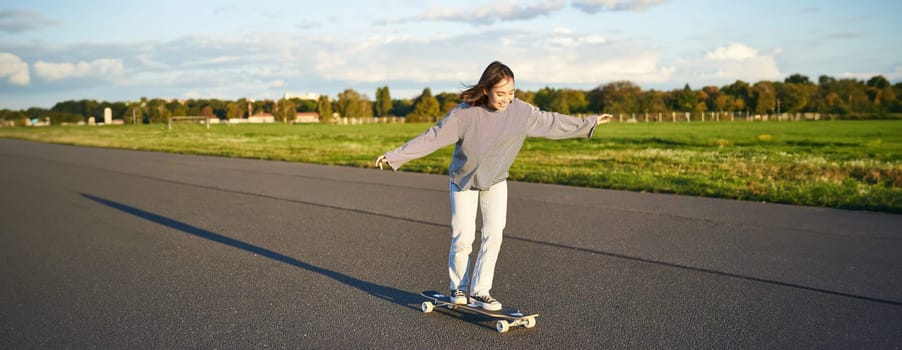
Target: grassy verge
841,164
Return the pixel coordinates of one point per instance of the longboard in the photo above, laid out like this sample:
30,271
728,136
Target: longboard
508,317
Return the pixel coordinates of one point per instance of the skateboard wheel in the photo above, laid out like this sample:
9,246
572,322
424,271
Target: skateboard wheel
502,326
426,307
530,322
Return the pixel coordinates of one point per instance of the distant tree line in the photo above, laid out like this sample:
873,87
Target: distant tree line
846,98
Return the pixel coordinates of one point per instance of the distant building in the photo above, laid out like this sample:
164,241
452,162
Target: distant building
306,117
261,118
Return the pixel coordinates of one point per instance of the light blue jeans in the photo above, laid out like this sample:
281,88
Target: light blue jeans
464,204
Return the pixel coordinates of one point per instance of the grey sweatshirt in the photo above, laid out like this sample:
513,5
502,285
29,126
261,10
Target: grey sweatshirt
487,141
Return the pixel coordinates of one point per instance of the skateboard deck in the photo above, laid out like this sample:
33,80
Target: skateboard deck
508,317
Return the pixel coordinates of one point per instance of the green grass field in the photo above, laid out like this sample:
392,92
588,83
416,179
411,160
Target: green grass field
840,164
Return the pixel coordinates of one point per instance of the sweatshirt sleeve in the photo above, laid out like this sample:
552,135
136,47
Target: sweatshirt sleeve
444,133
559,126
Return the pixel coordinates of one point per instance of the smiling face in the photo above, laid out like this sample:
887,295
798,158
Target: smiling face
501,95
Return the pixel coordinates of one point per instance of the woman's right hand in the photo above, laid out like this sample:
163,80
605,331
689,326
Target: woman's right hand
381,160
605,118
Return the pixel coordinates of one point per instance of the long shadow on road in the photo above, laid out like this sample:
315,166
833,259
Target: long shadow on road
393,295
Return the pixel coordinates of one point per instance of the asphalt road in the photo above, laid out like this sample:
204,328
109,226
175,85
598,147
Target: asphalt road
124,249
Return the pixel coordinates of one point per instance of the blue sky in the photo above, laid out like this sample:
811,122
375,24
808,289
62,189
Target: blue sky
52,51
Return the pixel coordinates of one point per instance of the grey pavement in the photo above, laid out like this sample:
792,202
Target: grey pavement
126,249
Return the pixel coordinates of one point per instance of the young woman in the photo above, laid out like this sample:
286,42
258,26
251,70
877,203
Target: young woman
488,128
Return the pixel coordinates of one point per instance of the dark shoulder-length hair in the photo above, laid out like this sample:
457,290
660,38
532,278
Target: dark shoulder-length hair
475,95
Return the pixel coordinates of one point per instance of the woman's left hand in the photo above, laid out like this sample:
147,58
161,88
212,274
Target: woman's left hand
380,161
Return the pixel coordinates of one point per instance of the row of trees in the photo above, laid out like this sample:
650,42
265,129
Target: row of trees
875,97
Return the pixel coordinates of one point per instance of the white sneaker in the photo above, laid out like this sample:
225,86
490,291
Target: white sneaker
486,302
458,297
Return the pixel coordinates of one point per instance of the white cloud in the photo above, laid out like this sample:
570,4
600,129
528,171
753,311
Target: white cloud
148,62
894,76
729,63
488,14
564,38
732,52
102,68
595,6
14,70
502,11
592,39
563,57
265,66
636,65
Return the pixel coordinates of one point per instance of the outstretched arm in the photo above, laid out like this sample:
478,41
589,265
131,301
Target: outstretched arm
442,134
553,125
